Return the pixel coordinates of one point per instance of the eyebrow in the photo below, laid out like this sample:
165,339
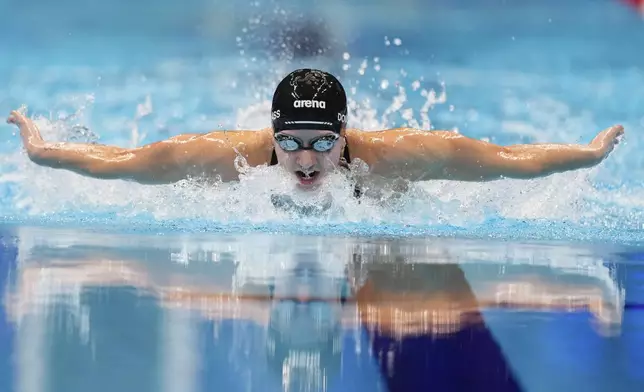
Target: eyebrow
305,139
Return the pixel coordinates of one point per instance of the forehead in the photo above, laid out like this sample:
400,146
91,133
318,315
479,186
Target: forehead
306,134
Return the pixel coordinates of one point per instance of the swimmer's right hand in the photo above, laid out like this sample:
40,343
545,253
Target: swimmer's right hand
16,117
29,132
187,155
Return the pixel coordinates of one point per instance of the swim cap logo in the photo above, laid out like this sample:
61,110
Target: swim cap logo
311,78
314,80
309,103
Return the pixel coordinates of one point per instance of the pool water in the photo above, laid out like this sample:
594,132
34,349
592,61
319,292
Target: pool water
263,312
505,285
542,72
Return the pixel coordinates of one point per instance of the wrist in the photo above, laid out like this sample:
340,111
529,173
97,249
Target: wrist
37,151
597,154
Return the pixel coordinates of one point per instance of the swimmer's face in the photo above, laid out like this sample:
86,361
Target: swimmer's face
308,165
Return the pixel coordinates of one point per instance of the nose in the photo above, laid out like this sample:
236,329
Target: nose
306,159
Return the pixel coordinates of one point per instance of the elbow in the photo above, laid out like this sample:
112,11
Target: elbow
532,169
141,173
100,170
115,171
521,170
44,156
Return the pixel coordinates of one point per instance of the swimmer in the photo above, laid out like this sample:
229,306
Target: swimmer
309,139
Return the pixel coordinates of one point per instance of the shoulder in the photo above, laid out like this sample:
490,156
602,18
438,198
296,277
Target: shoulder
360,134
368,146
239,139
385,150
260,136
394,137
255,145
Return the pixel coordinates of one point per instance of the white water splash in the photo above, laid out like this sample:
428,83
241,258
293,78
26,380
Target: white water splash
30,190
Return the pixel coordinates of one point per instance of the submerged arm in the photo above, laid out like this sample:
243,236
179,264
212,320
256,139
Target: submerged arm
156,163
421,155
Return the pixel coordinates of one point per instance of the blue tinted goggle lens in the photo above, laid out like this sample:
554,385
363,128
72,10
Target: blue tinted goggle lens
321,144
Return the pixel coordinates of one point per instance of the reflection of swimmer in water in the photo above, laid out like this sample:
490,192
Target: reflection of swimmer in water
309,139
421,323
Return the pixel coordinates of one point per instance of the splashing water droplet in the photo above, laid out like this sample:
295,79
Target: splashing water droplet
241,164
363,67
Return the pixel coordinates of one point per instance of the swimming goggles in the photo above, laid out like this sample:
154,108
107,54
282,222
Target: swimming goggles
320,144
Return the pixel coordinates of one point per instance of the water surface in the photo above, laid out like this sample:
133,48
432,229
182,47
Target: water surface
104,311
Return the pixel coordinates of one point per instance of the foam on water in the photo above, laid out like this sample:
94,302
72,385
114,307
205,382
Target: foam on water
381,96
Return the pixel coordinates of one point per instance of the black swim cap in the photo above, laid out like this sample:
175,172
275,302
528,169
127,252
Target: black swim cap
309,99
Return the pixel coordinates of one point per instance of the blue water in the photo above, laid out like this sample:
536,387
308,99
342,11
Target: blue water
106,312
90,269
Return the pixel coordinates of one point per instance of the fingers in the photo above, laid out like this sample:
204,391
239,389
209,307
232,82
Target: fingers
15,117
619,130
616,133
612,138
608,135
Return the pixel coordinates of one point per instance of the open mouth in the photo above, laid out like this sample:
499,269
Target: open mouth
306,178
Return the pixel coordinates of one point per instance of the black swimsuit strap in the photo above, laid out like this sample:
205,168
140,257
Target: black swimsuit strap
347,156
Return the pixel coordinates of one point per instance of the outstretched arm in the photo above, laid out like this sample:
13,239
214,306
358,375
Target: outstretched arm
420,155
166,161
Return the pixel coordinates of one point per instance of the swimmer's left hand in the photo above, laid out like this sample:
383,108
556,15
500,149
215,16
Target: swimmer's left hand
606,140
